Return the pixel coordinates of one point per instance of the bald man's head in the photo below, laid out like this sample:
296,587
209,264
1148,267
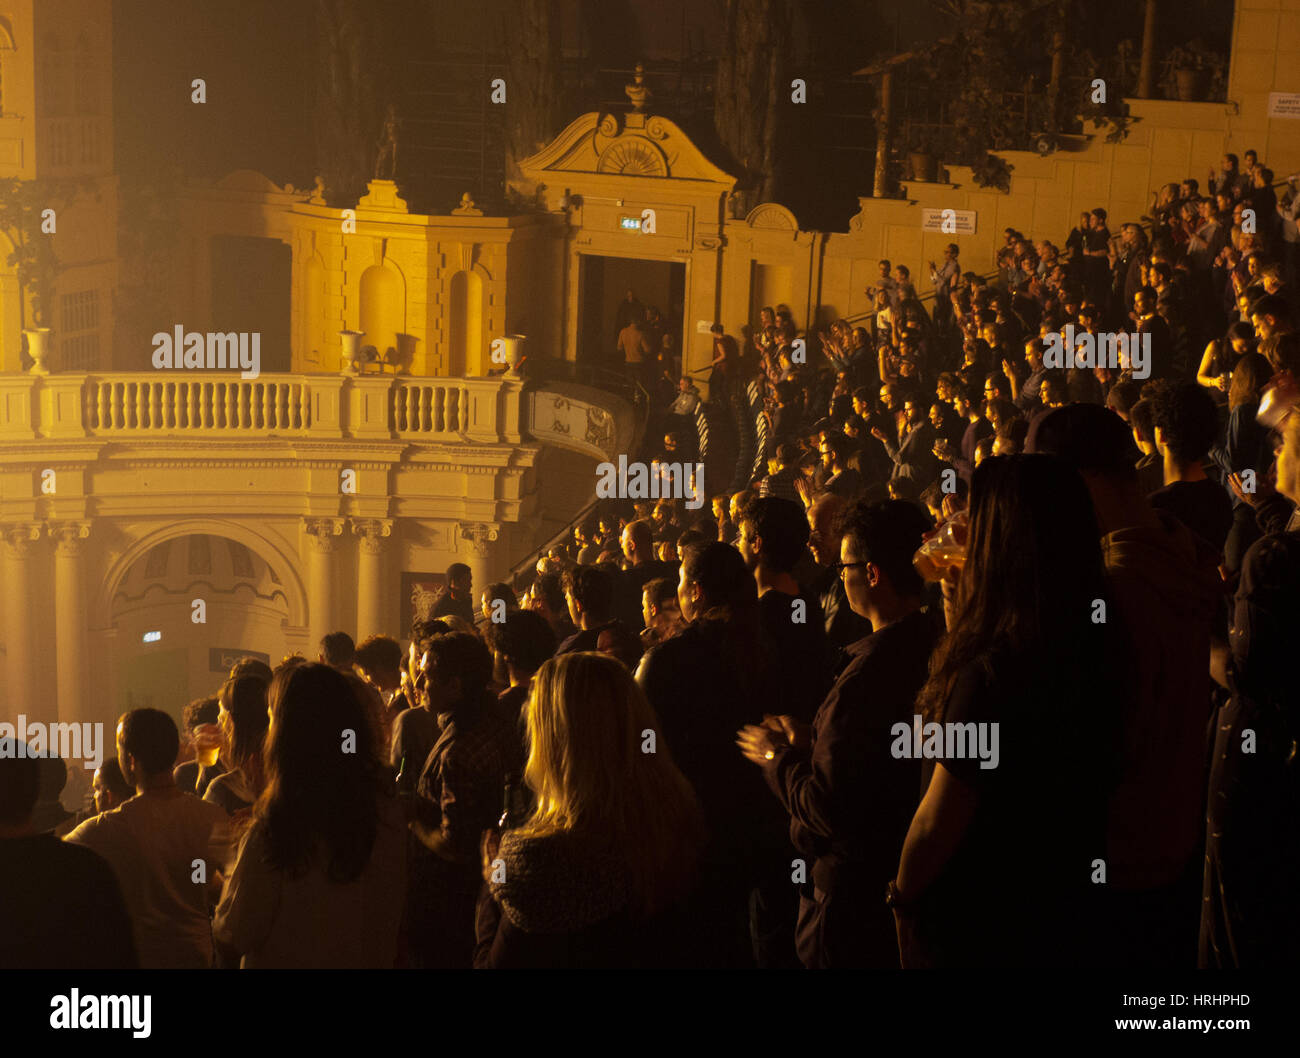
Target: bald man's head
824,528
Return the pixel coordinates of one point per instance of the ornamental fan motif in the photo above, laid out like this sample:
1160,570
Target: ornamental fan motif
631,158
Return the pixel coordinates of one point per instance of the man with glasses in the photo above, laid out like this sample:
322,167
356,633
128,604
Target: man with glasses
850,799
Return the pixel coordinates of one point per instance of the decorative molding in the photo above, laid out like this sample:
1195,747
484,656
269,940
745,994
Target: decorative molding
857,221
262,464
601,431
19,538
772,216
322,531
381,195
632,156
633,145
371,533
479,535
69,537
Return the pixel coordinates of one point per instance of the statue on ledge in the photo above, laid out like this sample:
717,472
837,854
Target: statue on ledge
386,162
637,92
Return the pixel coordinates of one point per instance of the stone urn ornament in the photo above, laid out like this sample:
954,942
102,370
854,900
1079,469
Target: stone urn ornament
351,352
38,348
467,207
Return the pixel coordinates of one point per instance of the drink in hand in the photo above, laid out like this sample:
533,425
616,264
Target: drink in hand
944,550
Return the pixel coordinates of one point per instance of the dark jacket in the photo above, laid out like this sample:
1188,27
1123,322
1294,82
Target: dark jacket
450,607
564,905
1252,858
850,799
705,684
588,638
914,456
1165,587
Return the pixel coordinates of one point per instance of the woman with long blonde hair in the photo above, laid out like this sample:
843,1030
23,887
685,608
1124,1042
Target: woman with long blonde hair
609,852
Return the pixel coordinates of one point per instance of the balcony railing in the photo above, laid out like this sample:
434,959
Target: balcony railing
137,405
430,407
146,405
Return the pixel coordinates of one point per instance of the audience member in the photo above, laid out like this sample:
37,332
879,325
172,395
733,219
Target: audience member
320,880
63,905
167,848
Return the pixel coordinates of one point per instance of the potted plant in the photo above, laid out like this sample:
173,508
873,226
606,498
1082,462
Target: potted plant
920,157
993,172
37,270
1192,73
28,212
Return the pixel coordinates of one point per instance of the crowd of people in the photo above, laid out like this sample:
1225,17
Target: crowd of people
677,744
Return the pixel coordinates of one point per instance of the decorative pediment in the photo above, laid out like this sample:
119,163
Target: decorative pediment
633,145
770,215
632,156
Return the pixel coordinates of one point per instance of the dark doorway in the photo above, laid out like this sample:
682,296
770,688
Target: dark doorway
603,286
251,293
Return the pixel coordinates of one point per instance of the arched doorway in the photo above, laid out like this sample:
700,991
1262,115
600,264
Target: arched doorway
184,612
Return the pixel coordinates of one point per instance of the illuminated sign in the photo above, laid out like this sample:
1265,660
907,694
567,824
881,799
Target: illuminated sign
221,659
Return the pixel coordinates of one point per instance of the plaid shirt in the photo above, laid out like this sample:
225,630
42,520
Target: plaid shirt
464,777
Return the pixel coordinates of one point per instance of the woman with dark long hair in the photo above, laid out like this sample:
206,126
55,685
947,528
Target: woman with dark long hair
321,875
612,845
1222,355
1017,729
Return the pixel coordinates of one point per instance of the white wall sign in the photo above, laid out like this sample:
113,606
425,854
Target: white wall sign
1284,104
949,221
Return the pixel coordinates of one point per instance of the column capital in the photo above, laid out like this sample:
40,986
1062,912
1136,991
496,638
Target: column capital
479,535
371,533
322,532
19,538
68,537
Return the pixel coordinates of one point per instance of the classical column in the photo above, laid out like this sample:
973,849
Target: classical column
371,533
1147,62
884,133
70,639
320,589
18,617
480,537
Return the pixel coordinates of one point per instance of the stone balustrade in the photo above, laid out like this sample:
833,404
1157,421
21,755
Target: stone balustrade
136,405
